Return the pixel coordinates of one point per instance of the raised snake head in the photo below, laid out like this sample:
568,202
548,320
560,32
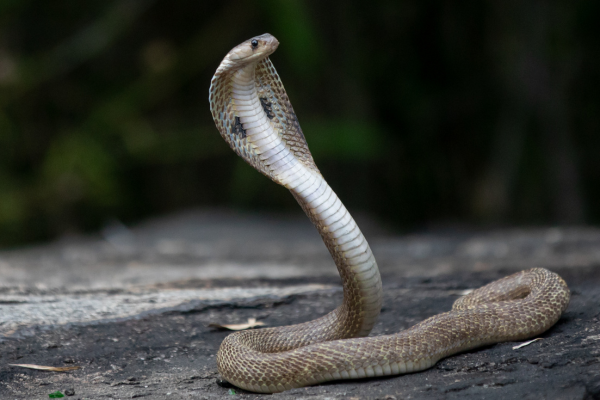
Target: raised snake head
252,50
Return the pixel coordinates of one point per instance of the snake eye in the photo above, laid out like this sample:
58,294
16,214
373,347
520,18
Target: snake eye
254,43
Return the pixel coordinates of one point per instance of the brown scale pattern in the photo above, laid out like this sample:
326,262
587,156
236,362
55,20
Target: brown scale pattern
483,317
285,122
275,359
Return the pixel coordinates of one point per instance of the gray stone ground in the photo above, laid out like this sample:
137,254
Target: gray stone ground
132,307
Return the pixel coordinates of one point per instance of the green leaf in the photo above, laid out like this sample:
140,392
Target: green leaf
56,395
231,391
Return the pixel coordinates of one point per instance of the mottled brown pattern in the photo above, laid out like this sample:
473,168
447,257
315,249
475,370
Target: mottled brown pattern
284,119
276,359
475,320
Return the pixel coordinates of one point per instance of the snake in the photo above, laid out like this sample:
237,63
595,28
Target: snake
253,113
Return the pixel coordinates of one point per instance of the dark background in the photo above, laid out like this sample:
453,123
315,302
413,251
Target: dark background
423,114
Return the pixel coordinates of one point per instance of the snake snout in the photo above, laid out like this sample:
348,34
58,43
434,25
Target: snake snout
271,41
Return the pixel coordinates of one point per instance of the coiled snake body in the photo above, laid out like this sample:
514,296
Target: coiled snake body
253,114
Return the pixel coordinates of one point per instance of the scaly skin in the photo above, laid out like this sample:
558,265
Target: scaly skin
253,114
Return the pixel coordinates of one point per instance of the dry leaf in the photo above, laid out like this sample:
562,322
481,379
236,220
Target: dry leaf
45,368
526,343
252,322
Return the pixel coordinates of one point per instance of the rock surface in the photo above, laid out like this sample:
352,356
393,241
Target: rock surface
131,308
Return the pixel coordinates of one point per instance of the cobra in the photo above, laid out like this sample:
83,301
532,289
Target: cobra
252,112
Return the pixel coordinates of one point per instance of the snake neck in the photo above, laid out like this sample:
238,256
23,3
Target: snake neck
341,235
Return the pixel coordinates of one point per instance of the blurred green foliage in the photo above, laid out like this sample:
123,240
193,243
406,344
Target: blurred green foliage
418,112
